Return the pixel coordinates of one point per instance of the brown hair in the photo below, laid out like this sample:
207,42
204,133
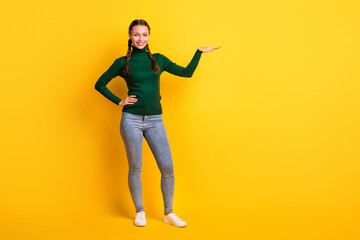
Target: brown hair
154,65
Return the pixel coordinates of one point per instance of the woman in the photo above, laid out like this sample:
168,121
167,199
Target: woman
142,113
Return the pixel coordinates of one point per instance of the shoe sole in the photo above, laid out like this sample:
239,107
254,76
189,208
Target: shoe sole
140,225
168,222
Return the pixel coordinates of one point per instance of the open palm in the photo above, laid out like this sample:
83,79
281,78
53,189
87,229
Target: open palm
208,49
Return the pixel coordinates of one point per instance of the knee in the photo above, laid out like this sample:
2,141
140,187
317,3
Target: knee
167,171
135,168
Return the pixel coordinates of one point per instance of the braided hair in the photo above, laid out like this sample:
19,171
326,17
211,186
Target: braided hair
154,65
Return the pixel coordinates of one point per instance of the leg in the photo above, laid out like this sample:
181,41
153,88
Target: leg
158,142
132,136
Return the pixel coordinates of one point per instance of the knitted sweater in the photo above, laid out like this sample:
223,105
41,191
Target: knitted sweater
143,81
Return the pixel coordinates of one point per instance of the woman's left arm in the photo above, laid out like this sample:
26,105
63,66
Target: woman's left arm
188,71
175,69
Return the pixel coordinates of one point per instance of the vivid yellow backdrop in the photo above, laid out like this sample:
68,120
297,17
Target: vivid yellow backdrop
264,136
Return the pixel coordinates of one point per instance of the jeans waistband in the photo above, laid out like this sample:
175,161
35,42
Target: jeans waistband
141,117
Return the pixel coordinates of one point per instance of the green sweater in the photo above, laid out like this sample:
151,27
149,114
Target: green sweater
143,81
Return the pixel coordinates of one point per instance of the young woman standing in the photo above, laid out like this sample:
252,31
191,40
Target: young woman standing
142,113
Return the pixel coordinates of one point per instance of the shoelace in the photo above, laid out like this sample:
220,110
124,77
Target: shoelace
141,216
175,216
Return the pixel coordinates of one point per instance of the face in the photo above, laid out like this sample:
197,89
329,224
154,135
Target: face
139,36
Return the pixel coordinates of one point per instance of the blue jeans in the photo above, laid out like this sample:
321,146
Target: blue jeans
133,128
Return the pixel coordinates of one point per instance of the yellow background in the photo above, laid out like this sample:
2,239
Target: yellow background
264,136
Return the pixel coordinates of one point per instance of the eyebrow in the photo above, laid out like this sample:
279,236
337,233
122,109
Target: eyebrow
144,32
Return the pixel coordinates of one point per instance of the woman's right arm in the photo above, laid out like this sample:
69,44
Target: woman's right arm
105,78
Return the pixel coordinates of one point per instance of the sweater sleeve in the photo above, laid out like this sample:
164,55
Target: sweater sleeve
105,78
175,69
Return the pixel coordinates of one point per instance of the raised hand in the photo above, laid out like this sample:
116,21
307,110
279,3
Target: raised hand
208,49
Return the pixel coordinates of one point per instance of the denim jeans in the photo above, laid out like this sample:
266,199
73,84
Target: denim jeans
133,128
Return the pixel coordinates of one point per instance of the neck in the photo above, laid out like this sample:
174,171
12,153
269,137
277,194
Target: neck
139,50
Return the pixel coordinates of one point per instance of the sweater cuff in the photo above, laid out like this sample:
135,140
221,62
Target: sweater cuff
118,101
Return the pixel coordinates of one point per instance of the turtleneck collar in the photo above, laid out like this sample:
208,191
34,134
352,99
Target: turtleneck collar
136,50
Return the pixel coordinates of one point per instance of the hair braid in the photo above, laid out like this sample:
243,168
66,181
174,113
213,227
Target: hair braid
154,65
128,56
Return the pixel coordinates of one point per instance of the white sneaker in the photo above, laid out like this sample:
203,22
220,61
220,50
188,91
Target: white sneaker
140,220
172,219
